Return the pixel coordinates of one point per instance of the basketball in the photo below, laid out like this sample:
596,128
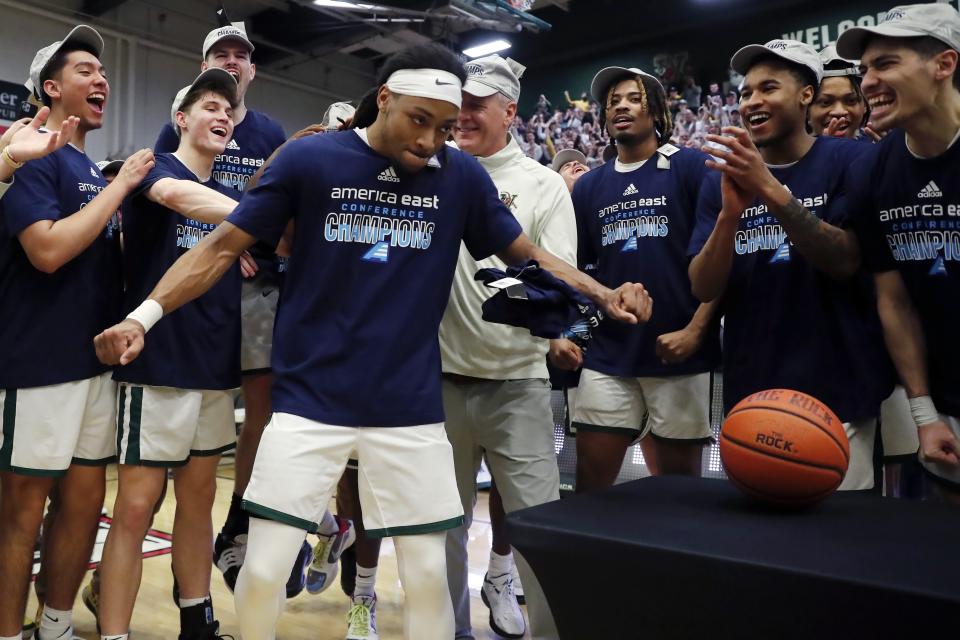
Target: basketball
784,447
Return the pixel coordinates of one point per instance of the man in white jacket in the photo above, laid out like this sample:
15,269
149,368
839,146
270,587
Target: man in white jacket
496,392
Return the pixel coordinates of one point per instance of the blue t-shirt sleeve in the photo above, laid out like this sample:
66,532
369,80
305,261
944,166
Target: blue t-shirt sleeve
695,174
586,255
709,203
490,227
863,217
167,141
33,196
264,211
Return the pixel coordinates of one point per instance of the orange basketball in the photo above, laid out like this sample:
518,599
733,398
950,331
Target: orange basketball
784,447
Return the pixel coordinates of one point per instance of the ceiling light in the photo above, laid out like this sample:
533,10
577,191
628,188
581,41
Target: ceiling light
486,48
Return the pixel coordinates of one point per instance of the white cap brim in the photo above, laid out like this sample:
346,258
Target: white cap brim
565,156
214,78
479,89
605,77
743,59
852,42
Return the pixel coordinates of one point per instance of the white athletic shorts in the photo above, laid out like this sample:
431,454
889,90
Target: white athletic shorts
406,476
164,426
46,429
677,407
258,310
861,435
897,428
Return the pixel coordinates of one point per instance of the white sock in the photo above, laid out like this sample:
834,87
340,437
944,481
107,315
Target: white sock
500,565
19,636
54,623
365,582
192,602
328,526
122,636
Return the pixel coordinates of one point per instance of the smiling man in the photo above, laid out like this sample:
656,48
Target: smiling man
356,358
907,200
60,266
175,403
770,243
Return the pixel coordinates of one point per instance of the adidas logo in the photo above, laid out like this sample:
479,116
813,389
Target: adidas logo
233,145
388,175
930,191
629,191
93,173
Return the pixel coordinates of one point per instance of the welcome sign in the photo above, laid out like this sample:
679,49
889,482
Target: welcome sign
821,35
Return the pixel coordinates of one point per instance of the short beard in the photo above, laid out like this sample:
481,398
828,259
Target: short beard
632,139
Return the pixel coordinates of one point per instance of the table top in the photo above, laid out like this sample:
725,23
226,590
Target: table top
895,545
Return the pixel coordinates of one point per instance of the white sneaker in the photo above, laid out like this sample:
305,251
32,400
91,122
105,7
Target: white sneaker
517,587
505,615
362,619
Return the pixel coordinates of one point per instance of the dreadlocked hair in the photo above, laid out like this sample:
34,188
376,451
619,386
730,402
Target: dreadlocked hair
424,56
653,100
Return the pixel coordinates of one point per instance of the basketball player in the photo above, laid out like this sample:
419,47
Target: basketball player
60,258
906,194
635,216
769,240
839,109
255,137
496,393
356,343
175,407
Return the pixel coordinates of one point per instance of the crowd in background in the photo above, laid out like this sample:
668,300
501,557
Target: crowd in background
576,123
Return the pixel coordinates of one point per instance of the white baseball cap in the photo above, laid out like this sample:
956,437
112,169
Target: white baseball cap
936,20
492,74
606,76
80,34
829,55
336,114
234,31
216,79
109,166
790,50
565,156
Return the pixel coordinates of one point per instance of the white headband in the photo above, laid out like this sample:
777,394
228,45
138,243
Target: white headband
427,83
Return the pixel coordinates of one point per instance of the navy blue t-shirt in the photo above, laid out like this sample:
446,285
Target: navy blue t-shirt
198,345
635,227
374,252
253,141
908,219
787,324
48,321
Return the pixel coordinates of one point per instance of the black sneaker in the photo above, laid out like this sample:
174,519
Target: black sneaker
211,631
298,578
228,554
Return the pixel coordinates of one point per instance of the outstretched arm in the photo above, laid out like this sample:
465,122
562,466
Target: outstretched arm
194,273
628,303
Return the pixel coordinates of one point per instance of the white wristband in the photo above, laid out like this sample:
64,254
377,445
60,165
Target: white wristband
148,314
923,411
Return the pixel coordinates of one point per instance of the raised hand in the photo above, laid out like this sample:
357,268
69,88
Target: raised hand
24,141
135,169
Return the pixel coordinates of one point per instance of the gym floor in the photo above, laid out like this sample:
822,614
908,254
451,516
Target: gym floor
313,617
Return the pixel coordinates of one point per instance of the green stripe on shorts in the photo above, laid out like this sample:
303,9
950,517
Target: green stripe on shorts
136,414
279,516
415,529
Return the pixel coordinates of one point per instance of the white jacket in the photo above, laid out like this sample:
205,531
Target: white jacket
539,199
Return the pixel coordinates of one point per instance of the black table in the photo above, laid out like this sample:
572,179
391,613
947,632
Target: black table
692,558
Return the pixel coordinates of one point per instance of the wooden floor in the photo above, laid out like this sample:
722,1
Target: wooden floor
307,617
